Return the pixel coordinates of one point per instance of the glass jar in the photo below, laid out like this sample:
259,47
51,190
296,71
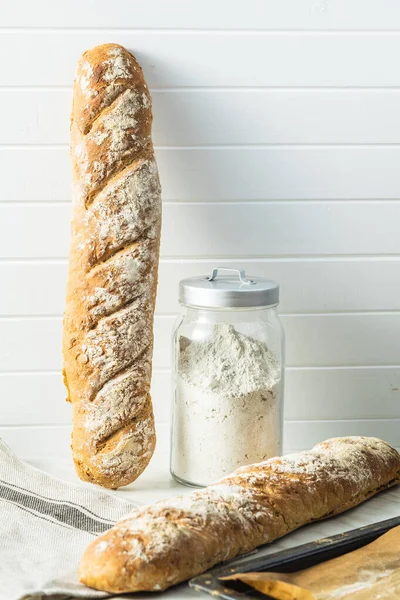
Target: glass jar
228,348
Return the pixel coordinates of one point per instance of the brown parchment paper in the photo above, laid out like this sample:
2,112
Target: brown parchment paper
370,573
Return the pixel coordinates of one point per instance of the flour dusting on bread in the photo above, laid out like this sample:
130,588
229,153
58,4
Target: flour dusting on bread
115,237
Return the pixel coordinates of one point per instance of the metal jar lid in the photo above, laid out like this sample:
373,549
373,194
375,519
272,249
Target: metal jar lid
232,291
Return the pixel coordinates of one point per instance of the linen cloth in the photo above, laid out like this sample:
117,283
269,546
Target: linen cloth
45,526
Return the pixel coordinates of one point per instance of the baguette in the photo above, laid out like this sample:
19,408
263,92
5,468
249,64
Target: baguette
176,539
112,279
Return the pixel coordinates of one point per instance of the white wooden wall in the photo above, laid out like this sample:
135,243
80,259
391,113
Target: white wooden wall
277,127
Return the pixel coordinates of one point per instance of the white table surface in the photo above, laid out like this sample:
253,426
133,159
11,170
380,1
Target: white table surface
156,483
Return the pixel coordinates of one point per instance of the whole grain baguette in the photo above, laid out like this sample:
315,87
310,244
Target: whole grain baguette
176,539
112,280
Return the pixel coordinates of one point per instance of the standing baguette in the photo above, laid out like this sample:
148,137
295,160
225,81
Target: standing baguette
112,280
176,539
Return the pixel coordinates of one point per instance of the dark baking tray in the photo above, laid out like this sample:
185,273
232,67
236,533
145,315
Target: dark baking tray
293,559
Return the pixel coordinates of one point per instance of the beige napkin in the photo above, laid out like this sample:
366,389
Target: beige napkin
368,573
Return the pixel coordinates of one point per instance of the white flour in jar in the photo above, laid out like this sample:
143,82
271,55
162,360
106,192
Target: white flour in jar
227,411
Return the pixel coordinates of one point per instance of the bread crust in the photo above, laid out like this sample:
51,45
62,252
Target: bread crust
173,540
113,267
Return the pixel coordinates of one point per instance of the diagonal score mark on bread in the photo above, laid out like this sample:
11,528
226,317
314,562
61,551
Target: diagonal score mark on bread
113,311
119,89
110,396
115,237
111,146
141,358
122,212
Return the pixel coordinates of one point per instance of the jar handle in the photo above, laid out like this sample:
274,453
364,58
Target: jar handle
240,272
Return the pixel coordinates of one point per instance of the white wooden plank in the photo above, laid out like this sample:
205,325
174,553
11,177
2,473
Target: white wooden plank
39,398
312,340
30,344
211,117
173,59
231,173
33,398
34,230
54,441
32,288
35,116
161,393
280,173
350,393
205,230
307,285
310,394
225,14
195,230
35,344
35,174
197,117
300,435
324,340
163,327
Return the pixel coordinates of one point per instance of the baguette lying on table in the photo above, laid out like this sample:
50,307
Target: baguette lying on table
173,540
